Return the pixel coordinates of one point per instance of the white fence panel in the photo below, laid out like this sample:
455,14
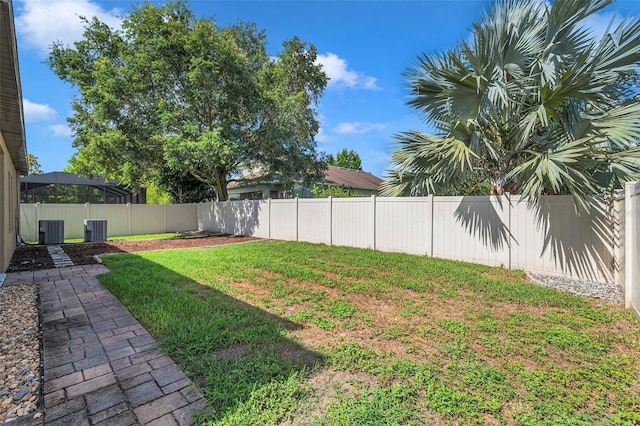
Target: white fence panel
206,217
72,214
404,224
225,217
556,240
474,229
284,219
314,220
181,217
262,227
122,219
118,217
28,222
352,222
248,217
147,219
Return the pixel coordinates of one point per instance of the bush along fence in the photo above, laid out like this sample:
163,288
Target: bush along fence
550,238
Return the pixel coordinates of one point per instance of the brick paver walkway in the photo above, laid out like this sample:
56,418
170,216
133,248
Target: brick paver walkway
101,367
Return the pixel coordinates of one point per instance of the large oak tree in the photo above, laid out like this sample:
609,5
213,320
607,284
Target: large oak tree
170,93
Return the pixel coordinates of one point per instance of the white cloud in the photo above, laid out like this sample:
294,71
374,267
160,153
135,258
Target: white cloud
599,23
37,112
340,75
60,130
359,128
323,137
42,22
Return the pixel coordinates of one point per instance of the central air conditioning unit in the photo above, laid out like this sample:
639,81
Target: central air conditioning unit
95,230
51,231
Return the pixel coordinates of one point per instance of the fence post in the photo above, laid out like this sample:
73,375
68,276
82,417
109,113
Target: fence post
269,220
129,220
164,214
617,217
630,242
330,204
297,224
37,221
507,215
373,221
430,224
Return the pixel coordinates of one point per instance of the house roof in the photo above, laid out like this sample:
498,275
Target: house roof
351,178
11,113
340,176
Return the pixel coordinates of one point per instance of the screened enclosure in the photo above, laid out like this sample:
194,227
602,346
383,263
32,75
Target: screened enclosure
69,188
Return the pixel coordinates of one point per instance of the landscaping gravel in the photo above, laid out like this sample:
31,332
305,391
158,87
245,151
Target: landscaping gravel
19,354
605,291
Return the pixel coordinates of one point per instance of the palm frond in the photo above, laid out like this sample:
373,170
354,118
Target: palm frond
533,98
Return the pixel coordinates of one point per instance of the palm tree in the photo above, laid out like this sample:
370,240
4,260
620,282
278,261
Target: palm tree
534,104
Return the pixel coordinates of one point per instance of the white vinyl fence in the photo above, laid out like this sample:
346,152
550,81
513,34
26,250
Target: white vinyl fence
632,246
493,230
122,219
497,231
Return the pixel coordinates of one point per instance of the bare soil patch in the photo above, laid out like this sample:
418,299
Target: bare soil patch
33,257
30,258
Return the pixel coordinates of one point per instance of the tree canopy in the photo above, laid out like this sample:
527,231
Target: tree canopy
349,159
532,103
170,94
34,164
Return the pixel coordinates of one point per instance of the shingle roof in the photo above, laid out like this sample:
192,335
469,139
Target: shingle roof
351,178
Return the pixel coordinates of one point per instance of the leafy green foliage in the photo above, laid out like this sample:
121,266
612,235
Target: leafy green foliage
34,166
349,159
531,102
170,95
341,309
326,191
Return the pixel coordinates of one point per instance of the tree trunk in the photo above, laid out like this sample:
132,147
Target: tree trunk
221,186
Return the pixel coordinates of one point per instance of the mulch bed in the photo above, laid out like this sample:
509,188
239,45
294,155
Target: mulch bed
34,257
30,258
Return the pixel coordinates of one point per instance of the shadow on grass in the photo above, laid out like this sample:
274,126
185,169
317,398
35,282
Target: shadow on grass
235,352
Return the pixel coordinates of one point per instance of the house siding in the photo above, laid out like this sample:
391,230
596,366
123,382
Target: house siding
9,187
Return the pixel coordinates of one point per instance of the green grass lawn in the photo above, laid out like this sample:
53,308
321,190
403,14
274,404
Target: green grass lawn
295,333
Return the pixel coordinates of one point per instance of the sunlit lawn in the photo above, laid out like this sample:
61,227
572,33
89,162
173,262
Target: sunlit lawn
298,333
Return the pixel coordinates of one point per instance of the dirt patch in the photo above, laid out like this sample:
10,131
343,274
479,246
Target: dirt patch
30,258
34,257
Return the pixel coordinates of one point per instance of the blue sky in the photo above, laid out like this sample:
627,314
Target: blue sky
364,47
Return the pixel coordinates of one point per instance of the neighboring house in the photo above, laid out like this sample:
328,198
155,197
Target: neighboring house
257,186
69,188
13,148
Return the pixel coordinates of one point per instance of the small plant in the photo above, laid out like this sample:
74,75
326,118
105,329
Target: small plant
323,323
394,333
445,292
341,309
453,326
